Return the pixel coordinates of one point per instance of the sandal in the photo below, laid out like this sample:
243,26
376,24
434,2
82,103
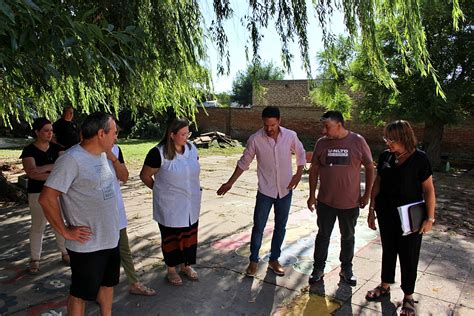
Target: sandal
190,273
174,278
377,293
34,267
408,308
140,289
66,260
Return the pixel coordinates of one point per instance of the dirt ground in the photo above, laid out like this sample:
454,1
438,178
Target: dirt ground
455,202
454,197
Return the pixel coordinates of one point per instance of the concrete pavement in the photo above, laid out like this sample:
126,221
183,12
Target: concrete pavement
445,283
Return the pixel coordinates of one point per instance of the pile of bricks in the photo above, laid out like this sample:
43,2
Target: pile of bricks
216,139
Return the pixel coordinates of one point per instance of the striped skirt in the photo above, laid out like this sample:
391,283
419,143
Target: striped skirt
179,244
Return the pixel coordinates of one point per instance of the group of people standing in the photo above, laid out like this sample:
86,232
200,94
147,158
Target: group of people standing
82,201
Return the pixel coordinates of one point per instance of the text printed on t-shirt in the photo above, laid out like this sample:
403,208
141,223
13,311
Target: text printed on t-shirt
338,157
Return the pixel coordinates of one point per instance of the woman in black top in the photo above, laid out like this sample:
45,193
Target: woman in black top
404,176
38,160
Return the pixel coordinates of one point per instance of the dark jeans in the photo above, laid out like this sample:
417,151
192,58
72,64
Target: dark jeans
347,221
406,247
260,216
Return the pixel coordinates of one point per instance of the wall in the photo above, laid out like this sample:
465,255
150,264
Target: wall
288,93
239,123
298,114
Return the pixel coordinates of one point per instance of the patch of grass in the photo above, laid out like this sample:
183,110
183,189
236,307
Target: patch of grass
7,154
11,148
215,151
135,151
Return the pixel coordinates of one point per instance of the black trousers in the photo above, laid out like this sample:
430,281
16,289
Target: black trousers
347,219
394,243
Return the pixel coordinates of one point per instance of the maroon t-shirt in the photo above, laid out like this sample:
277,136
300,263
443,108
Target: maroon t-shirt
339,162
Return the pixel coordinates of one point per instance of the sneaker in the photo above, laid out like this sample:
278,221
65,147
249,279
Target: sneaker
276,267
316,276
348,277
252,269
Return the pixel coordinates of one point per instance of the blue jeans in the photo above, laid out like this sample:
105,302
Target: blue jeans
260,216
347,221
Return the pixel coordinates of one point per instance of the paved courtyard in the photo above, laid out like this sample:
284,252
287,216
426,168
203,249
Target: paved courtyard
445,283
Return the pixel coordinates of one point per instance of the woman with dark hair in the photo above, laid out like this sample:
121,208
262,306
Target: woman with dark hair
38,160
404,176
171,170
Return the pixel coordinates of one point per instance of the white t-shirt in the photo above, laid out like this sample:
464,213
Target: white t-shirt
88,197
120,205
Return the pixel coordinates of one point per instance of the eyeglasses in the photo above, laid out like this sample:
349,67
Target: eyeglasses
388,140
188,135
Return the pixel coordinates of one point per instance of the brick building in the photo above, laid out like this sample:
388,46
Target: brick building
299,114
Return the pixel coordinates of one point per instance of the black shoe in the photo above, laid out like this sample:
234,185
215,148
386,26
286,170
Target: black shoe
348,277
316,276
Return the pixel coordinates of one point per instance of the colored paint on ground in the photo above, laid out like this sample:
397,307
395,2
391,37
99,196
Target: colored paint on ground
304,267
312,304
285,260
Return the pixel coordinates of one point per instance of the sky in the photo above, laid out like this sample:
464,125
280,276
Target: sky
270,47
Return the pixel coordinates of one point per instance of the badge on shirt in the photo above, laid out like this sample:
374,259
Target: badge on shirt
106,185
338,157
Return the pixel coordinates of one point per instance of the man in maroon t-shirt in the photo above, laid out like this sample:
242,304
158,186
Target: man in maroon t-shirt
337,160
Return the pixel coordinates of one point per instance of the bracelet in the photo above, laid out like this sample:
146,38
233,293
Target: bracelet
431,219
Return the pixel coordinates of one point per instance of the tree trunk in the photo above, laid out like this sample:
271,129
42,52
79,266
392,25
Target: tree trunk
10,192
433,134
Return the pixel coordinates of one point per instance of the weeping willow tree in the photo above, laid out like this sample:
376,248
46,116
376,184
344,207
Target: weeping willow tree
149,54
100,55
416,98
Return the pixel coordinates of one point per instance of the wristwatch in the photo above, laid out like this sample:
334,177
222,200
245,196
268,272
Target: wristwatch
431,219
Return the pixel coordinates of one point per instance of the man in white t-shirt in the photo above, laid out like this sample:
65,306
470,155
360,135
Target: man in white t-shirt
83,183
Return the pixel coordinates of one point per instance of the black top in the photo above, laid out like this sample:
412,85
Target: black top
400,185
153,158
67,133
120,156
41,158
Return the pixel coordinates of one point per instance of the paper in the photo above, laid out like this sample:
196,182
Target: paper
405,218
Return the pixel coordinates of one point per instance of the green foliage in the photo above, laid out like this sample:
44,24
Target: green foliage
100,55
146,127
416,98
148,54
223,99
244,82
331,89
452,54
331,98
360,19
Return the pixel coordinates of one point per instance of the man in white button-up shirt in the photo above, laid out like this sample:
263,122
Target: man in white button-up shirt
273,145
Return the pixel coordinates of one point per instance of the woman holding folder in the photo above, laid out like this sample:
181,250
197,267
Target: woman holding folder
404,176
